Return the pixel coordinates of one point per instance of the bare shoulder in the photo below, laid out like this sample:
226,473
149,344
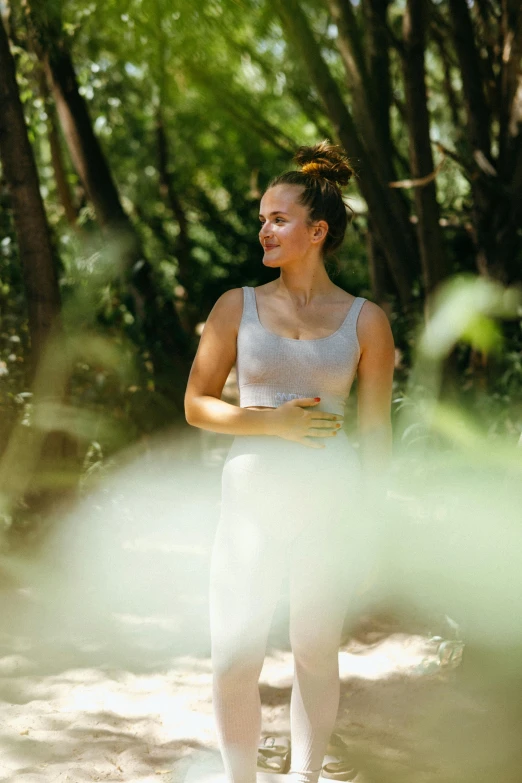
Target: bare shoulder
230,300
373,326
228,308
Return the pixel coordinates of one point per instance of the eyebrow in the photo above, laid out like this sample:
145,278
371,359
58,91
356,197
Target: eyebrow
277,212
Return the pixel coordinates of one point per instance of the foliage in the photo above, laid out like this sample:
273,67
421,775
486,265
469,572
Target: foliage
235,102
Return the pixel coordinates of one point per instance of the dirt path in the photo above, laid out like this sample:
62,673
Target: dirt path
123,709
104,655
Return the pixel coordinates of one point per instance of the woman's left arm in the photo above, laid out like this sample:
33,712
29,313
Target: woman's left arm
374,389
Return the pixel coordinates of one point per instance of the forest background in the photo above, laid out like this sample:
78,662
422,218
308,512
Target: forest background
136,139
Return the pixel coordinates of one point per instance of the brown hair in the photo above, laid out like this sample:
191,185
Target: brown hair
324,171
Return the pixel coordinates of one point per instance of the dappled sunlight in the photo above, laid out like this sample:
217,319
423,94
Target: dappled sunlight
405,654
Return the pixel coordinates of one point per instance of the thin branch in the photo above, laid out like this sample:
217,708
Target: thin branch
419,182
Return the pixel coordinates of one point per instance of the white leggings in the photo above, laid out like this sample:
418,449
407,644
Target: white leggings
286,510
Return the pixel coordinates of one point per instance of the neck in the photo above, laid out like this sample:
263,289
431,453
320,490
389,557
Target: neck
305,283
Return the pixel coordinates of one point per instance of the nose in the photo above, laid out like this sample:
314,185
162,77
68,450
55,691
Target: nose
265,232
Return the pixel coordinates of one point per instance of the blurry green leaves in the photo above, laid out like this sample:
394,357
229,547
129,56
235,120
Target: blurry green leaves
483,334
464,309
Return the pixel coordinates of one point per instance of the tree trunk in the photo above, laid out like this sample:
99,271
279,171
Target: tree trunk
378,63
441,42
381,282
36,254
371,95
57,158
479,129
433,258
172,200
350,48
376,46
469,60
496,184
159,323
161,330
509,246
510,82
31,451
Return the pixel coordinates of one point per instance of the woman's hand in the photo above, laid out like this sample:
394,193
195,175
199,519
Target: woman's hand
292,421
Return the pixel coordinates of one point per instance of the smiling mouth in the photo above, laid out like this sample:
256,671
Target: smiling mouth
271,247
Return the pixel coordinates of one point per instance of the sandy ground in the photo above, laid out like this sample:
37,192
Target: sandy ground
70,711
105,672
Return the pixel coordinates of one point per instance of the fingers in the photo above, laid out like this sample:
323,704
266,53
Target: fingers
326,415
317,424
326,424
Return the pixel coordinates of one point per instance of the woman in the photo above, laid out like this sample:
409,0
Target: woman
291,484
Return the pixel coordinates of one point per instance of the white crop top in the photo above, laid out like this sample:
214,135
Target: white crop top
272,369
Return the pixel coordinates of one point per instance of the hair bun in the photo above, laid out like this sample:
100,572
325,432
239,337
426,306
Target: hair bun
326,161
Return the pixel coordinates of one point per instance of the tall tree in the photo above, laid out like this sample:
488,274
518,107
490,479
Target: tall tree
432,252
489,52
32,447
164,335
377,56
36,252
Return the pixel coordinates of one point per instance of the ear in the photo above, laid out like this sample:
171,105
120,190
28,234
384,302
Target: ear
319,231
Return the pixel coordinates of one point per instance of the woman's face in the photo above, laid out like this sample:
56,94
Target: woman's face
285,234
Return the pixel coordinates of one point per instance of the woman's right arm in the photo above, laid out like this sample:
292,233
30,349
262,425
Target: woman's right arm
215,357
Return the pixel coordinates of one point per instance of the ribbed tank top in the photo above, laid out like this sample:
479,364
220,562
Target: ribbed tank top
272,369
